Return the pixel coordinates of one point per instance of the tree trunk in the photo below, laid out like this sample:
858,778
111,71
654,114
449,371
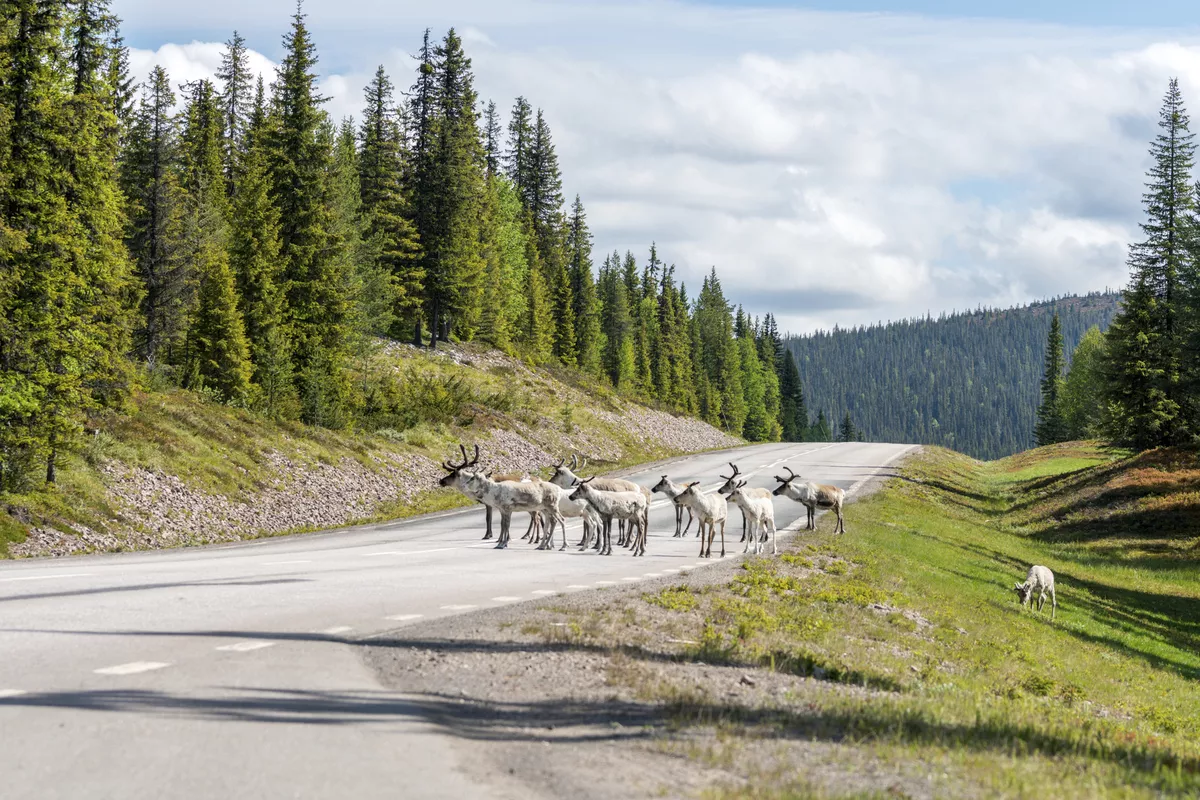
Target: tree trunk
50,465
417,341
435,326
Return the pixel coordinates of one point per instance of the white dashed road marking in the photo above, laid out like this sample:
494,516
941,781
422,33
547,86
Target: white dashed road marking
46,577
245,647
505,599
631,579
544,591
277,563
404,617
578,586
652,575
132,668
11,693
337,630
460,607
606,583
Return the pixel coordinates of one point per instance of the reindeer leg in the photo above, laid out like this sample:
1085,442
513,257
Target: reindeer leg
505,520
487,510
722,538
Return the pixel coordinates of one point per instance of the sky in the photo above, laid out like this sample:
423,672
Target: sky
838,162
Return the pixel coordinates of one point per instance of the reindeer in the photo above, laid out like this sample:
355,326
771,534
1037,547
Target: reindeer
710,509
813,495
760,511
565,477
540,497
727,487
460,474
673,490
629,506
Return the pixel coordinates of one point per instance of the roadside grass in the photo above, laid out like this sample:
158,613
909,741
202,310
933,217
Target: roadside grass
416,403
927,666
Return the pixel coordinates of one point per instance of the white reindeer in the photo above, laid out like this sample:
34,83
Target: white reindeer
565,477
510,496
628,506
672,490
1040,580
710,509
727,488
760,512
813,496
460,475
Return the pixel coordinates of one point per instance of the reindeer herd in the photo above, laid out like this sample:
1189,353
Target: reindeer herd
598,501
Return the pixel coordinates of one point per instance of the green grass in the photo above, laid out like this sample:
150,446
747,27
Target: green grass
915,604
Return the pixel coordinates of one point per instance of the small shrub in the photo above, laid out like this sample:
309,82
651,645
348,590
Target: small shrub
674,598
1038,686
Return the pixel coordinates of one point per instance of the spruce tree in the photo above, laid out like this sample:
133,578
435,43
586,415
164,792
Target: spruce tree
720,359
586,303
617,325
1083,388
491,139
236,100
821,431
506,272
793,411
847,432
150,180
1051,425
517,161
537,333
1162,265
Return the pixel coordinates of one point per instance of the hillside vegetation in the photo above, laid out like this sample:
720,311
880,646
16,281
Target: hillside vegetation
967,381
176,469
924,675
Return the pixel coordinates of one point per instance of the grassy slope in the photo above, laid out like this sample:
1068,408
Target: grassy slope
222,450
966,691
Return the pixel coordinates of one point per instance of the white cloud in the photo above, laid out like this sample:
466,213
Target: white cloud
836,168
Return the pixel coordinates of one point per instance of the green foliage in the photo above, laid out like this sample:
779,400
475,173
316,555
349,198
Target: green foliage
1082,396
968,381
1052,424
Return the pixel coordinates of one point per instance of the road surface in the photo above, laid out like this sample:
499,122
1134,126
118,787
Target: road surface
232,671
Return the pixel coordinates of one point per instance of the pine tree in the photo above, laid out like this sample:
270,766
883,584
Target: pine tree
538,326
1083,389
820,430
517,160
847,432
1139,411
720,359
1051,425
506,273
617,325
793,412
235,78
491,139
1161,265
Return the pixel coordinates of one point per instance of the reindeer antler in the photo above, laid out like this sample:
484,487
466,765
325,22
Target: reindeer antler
791,475
740,484
735,469
450,466
574,461
561,461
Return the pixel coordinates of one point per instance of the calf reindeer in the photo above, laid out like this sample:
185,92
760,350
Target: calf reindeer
710,509
727,488
672,490
813,496
627,506
760,511
565,477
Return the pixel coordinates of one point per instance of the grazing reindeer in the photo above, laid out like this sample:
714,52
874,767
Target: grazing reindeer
565,477
760,511
813,495
460,474
628,506
710,509
727,487
539,497
673,490
1039,581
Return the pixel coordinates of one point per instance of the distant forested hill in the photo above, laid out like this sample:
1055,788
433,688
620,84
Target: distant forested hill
969,381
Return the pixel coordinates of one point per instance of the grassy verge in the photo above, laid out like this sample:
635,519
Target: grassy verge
928,674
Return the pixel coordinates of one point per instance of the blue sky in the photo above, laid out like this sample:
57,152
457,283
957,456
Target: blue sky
839,162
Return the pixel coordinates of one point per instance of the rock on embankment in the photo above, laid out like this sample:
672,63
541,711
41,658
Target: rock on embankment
158,510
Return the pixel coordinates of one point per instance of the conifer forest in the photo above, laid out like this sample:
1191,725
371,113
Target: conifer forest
230,238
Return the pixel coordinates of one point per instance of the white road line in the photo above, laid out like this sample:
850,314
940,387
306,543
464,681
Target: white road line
652,575
412,552
11,693
671,571
275,563
578,586
337,630
132,668
404,617
505,599
606,583
459,607
47,577
245,647
631,579
544,591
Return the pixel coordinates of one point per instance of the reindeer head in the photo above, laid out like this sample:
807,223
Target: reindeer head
1023,591
735,494
581,488
689,490
785,483
662,486
459,473
730,480
565,476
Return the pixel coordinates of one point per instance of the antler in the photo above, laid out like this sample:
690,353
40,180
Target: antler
561,461
740,484
574,461
475,460
735,470
791,475
583,464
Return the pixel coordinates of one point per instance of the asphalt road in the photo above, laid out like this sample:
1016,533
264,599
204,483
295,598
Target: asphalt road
232,672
